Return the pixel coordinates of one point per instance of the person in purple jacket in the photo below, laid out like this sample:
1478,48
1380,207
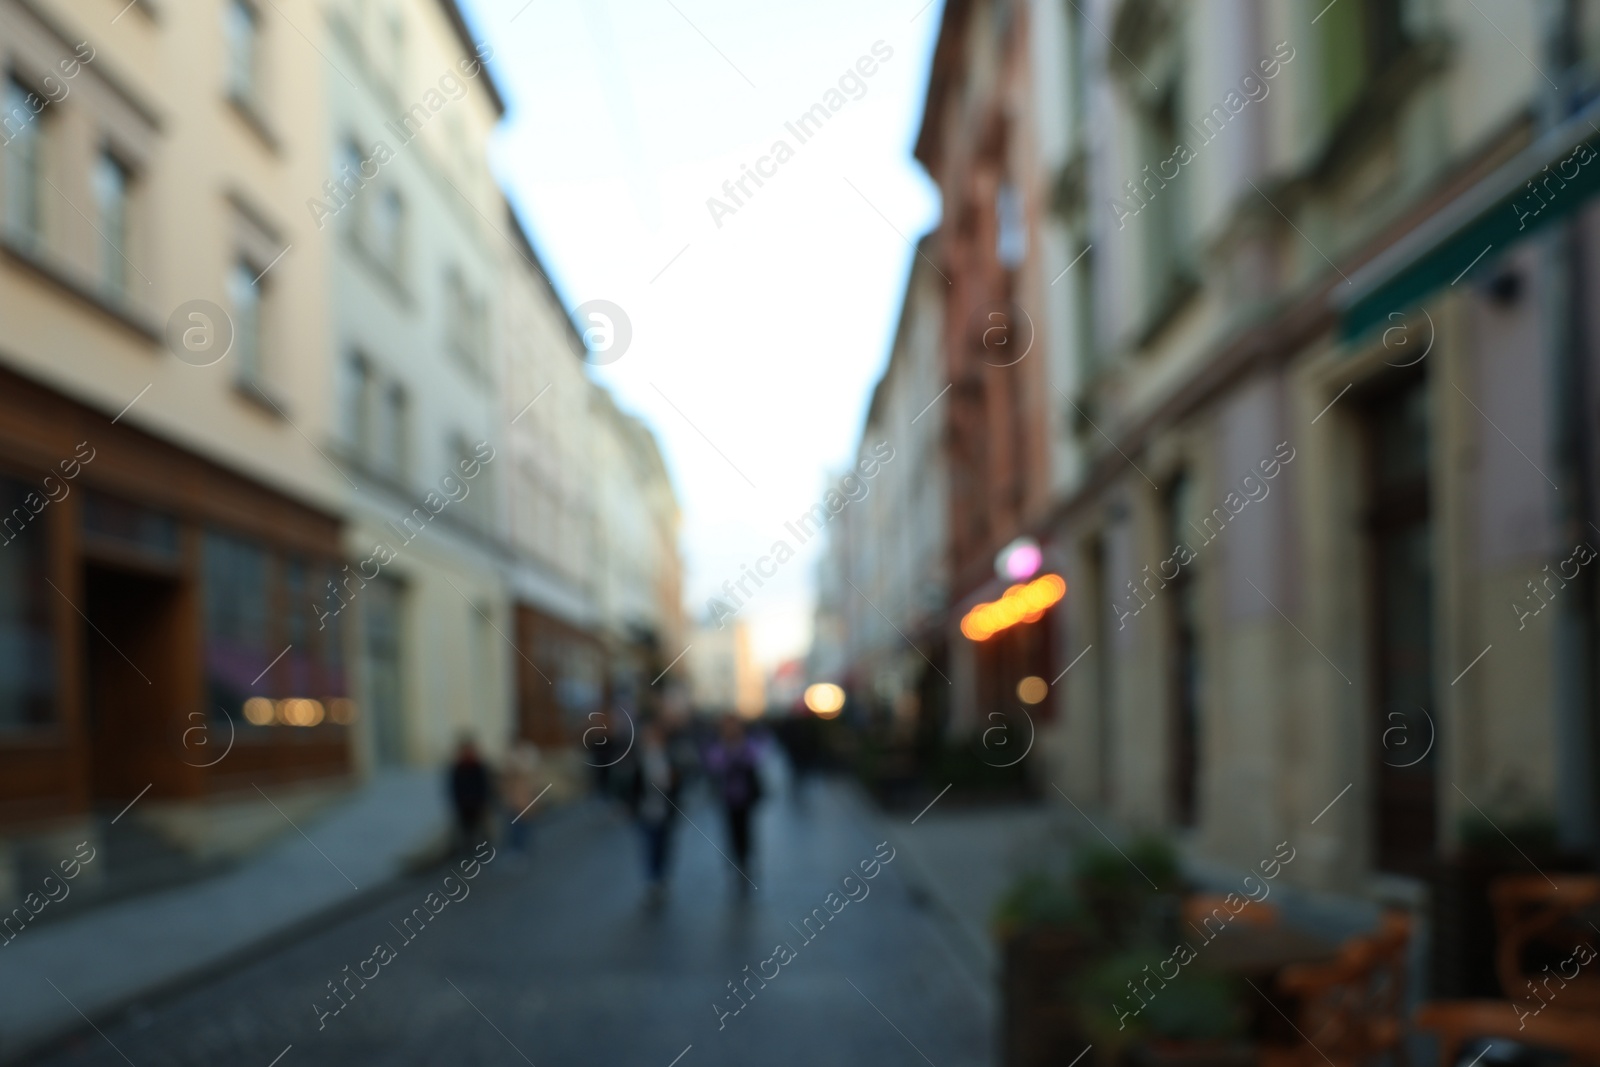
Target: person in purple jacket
733,762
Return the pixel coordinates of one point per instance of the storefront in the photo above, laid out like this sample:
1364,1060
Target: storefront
159,621
560,679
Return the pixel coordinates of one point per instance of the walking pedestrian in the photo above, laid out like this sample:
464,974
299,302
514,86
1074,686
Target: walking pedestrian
469,794
734,764
652,789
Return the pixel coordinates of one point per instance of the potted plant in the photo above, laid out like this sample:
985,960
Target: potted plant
1139,1018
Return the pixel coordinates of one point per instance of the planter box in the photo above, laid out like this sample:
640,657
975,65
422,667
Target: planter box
1039,1023
1161,1053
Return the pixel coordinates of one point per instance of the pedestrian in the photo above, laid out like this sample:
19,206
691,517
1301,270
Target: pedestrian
652,790
469,793
734,765
519,788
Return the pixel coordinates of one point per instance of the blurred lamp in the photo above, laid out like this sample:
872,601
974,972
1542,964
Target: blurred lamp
1019,560
1032,689
1020,603
824,699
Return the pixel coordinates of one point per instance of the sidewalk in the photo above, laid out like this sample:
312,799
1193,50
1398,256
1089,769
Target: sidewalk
964,860
109,958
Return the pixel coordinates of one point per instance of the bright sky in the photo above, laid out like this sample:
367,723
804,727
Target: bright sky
759,340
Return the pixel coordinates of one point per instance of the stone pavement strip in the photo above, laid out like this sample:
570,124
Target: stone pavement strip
108,957
561,959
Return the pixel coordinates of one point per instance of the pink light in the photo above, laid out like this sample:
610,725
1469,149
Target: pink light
1023,561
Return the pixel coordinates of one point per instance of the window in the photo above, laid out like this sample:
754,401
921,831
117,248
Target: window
111,198
391,432
27,643
355,403
22,133
244,293
396,28
1164,239
478,506
243,28
347,178
463,323
235,619
1011,240
1360,39
130,526
387,237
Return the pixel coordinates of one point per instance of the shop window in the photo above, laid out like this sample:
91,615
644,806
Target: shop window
236,612
27,642
126,525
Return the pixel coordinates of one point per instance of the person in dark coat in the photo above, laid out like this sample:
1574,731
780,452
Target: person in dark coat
734,765
469,793
653,780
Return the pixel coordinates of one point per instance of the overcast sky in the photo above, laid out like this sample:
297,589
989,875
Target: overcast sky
760,339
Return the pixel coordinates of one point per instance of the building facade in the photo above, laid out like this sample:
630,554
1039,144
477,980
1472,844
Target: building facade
414,264
163,302
1310,430
285,502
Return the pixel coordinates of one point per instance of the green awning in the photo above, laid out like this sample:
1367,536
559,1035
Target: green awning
1475,229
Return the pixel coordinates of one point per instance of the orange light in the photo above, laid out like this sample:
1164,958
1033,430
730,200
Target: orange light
824,699
1020,603
1032,689
258,711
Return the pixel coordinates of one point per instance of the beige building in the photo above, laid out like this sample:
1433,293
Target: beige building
276,508
724,677
163,315
416,237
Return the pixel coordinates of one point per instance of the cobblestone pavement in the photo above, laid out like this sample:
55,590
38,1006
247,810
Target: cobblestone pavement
562,960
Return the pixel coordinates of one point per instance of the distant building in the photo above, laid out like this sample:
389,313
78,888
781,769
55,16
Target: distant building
725,677
884,586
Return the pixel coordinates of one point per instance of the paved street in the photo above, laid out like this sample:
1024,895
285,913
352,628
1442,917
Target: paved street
562,961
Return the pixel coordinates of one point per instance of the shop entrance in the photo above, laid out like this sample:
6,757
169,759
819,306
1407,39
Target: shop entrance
132,639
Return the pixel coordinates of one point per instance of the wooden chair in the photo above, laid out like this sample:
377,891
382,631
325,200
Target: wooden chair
1350,1008
1535,919
1198,907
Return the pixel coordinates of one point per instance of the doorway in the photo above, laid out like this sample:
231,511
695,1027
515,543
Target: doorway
1400,532
132,638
